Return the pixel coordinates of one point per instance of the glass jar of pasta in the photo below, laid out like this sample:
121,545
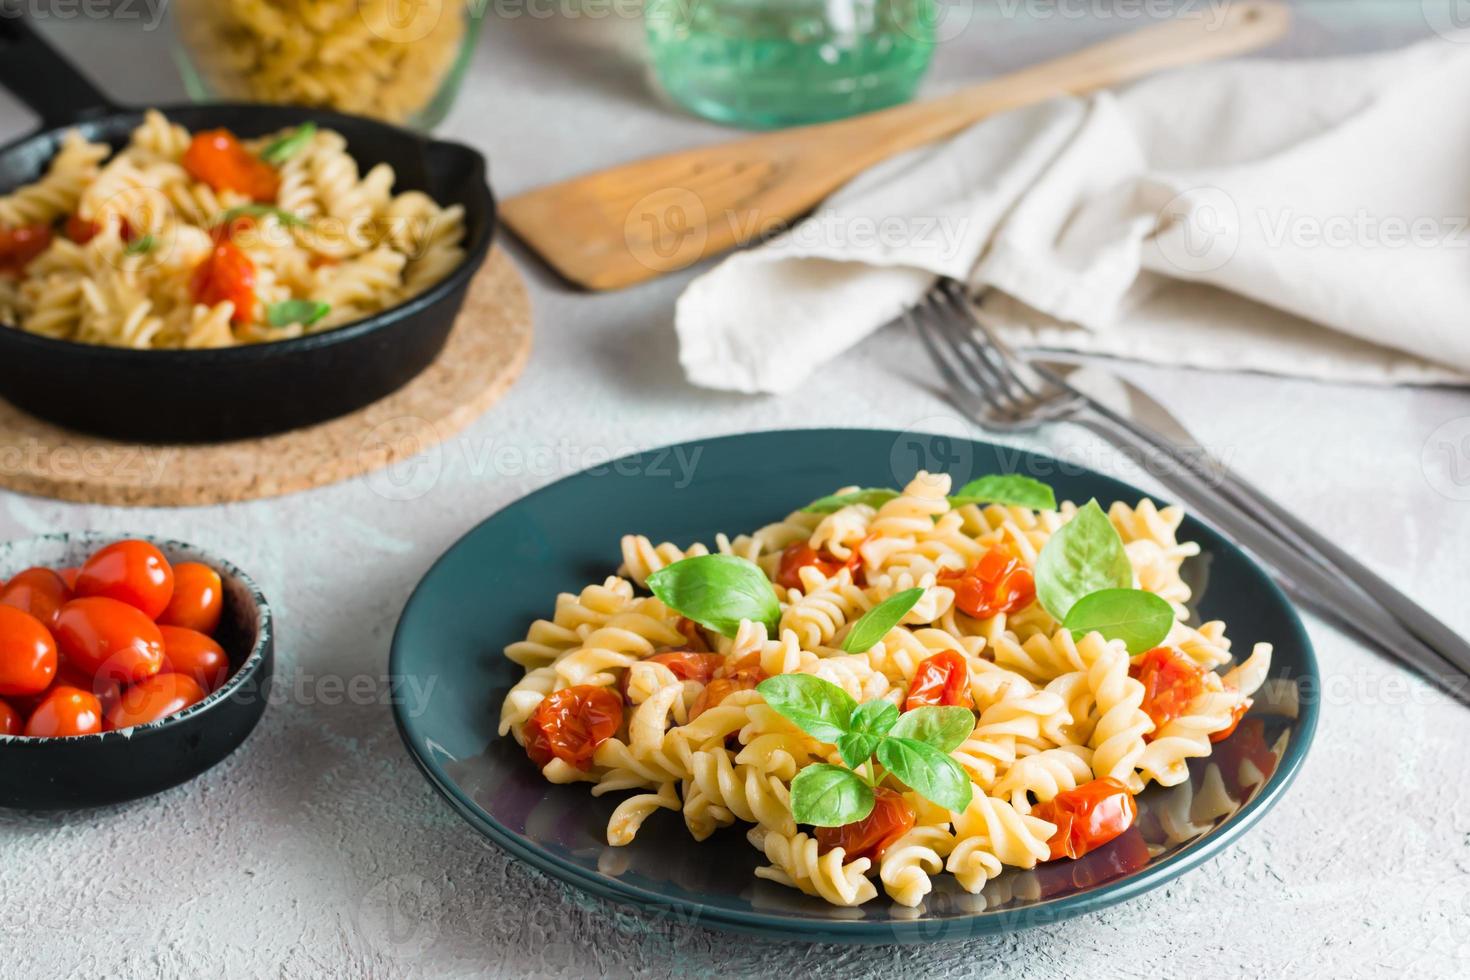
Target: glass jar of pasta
397,60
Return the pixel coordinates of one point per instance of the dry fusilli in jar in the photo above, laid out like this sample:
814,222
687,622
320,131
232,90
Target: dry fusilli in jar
399,60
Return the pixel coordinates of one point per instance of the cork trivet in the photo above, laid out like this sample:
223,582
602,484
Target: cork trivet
484,355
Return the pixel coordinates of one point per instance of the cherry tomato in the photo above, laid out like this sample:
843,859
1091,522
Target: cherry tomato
227,274
10,720
27,654
218,159
157,697
1247,745
570,724
197,600
1088,817
688,666
134,572
1237,713
65,711
80,230
802,555
892,817
743,675
18,246
38,591
69,576
998,583
1170,681
110,640
943,679
195,655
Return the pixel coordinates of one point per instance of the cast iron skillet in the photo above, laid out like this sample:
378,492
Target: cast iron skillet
239,392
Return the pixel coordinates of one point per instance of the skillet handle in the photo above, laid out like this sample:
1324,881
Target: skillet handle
39,76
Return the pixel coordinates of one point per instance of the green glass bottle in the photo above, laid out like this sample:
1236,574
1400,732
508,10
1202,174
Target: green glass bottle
770,63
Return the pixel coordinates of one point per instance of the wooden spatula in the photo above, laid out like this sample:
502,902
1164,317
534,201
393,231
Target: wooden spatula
622,226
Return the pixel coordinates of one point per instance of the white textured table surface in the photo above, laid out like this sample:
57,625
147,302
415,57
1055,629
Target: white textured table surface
318,850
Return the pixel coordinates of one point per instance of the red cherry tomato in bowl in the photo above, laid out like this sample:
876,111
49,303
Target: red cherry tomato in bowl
195,655
10,720
198,598
941,680
27,654
570,724
1088,817
38,591
153,699
110,640
892,817
134,572
65,711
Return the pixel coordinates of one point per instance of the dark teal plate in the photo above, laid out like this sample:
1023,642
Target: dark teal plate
485,591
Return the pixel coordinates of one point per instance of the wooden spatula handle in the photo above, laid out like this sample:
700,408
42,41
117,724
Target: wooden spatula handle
637,221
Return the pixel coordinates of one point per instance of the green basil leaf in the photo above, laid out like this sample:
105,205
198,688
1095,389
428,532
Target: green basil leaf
140,246
259,211
717,592
927,771
829,796
873,497
876,622
820,708
1140,619
1084,556
289,145
943,728
857,747
302,311
874,717
1009,490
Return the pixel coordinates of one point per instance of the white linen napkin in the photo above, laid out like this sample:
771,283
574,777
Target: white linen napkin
1300,217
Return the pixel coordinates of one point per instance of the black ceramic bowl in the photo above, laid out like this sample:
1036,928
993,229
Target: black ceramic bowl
238,392
94,770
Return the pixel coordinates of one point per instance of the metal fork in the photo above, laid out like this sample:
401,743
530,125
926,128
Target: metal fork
997,389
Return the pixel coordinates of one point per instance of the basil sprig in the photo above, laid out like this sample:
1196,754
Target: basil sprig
302,311
259,211
1084,556
289,145
913,747
717,592
876,622
872,496
1140,619
1009,490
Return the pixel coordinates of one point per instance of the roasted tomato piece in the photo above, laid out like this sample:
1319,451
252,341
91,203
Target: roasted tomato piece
570,724
1088,817
1170,681
998,583
892,817
1236,714
18,246
802,555
227,274
692,635
689,666
943,679
217,158
744,674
